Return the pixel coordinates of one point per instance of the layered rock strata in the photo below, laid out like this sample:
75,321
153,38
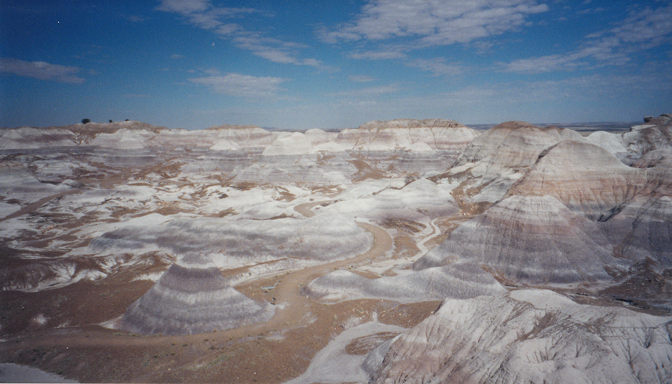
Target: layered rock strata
531,337
192,297
408,133
529,239
495,160
584,177
456,281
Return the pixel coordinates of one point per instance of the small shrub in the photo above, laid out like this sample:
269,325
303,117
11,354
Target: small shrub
86,121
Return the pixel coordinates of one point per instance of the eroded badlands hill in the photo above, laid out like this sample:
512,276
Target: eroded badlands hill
323,256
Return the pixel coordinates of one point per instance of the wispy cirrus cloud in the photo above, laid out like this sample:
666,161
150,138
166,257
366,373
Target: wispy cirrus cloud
41,70
642,30
437,66
203,14
434,22
378,55
234,84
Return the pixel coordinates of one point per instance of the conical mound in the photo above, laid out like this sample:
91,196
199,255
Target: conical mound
586,178
530,239
192,297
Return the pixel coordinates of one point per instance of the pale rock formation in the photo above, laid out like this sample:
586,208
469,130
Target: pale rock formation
86,132
404,133
292,144
411,123
27,137
586,178
296,168
123,139
245,136
334,364
18,182
643,230
590,181
656,134
384,199
657,157
500,156
233,243
529,239
192,297
515,143
318,136
611,142
419,147
224,145
458,281
530,336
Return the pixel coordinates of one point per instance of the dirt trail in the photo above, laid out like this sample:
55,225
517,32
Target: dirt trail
305,208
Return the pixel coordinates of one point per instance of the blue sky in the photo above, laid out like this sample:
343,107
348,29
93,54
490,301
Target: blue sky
332,64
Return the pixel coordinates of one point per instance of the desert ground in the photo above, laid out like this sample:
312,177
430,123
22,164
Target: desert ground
398,251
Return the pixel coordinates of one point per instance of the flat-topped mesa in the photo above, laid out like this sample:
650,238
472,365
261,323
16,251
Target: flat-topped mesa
27,137
411,123
241,136
192,297
72,135
415,135
234,126
93,129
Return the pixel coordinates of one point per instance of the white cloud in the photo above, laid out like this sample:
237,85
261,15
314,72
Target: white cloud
40,70
176,56
435,22
652,27
234,84
544,64
437,66
228,29
378,55
204,15
642,30
184,6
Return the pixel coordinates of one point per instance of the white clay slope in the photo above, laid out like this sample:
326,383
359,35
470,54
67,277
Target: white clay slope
530,336
531,239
